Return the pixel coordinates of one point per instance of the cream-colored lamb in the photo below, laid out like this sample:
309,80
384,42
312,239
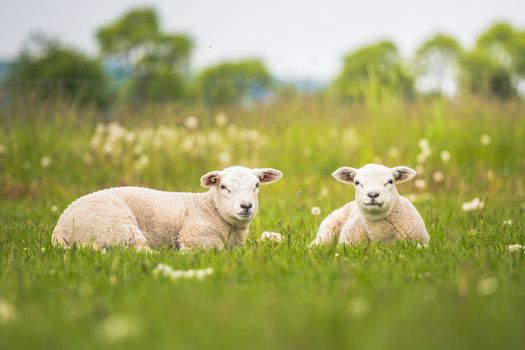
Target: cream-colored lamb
378,214
142,218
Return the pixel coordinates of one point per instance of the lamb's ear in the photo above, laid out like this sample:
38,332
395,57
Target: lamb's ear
267,175
211,179
345,174
403,173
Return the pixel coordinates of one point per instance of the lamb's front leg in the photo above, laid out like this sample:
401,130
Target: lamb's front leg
354,232
330,227
199,237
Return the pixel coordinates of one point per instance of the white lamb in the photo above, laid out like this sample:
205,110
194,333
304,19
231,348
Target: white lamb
143,218
378,214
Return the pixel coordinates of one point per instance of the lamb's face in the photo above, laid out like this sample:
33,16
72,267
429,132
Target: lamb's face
236,191
375,190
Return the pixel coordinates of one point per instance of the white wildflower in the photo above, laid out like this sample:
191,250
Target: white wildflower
475,204
420,169
137,149
515,247
113,280
224,157
350,137
315,211
485,140
120,327
54,208
420,184
507,222
425,151
168,271
411,197
142,162
191,122
271,236
393,152
445,156
422,246
324,192
87,158
108,147
438,176
359,307
487,286
221,119
7,312
45,162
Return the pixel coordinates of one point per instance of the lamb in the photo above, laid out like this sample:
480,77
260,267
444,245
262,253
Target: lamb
144,218
378,214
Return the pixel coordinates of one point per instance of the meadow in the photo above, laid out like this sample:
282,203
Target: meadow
465,290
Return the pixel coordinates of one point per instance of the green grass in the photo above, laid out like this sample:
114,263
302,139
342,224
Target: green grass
466,290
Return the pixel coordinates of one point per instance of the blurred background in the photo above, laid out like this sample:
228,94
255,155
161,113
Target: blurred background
239,52
97,94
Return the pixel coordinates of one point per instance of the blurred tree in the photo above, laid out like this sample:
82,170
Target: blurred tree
437,60
49,69
496,63
372,72
159,61
482,74
230,82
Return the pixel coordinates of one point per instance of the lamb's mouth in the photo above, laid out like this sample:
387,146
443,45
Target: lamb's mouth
244,215
373,203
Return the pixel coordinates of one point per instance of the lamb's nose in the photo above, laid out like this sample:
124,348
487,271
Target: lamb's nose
373,194
246,205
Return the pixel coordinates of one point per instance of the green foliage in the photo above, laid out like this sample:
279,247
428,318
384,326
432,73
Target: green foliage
482,74
437,59
51,70
466,290
378,65
159,61
230,82
128,33
496,63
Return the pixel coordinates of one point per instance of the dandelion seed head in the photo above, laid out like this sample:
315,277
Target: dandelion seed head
438,176
7,312
271,236
315,211
485,139
420,184
221,119
119,327
445,156
487,286
475,204
515,248
191,122
45,162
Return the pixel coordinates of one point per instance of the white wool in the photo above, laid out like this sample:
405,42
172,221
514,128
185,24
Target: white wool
378,212
144,218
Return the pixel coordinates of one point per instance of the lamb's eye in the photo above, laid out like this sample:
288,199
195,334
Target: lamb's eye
257,185
357,183
391,182
223,187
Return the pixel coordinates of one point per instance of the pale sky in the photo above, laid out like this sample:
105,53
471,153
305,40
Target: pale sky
296,39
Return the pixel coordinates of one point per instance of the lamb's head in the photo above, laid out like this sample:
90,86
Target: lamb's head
236,191
375,187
